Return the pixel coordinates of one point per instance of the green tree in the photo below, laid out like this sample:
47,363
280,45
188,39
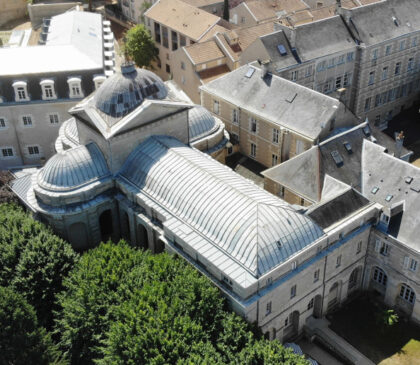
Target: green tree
139,46
33,260
21,340
226,10
39,274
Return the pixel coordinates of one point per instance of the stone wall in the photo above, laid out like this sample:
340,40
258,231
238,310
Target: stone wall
39,11
11,10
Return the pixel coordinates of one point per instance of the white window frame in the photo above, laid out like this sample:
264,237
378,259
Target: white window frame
48,89
75,88
26,116
54,118
407,293
98,80
253,152
21,91
3,148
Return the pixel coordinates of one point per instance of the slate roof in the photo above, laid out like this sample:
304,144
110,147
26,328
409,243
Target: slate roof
305,173
280,101
216,211
325,214
374,23
389,174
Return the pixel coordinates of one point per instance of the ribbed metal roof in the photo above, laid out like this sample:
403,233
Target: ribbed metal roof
126,90
201,123
73,168
255,228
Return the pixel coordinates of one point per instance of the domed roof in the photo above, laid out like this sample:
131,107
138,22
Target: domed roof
73,168
124,91
201,122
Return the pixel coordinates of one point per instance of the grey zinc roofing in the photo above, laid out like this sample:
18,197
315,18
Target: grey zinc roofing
280,101
73,168
229,215
271,42
389,174
374,23
322,38
74,42
200,122
125,90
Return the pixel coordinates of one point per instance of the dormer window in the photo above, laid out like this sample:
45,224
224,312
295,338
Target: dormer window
21,91
48,90
75,87
98,81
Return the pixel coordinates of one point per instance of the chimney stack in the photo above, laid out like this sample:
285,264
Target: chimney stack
399,140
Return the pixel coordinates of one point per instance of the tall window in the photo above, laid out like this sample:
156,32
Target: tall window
316,275
397,68
350,56
347,79
165,41
385,73
374,54
174,38
216,107
388,50
407,293
379,276
274,159
308,71
275,135
413,265
293,291
371,77
157,33
367,103
268,308
253,125
402,45
2,123
27,120
338,261
359,247
338,81
235,116
253,150
295,75
410,65
311,304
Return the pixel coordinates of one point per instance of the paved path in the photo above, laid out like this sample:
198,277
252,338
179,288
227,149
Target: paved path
320,328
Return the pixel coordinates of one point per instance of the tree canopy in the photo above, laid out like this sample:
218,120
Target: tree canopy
139,46
127,306
22,341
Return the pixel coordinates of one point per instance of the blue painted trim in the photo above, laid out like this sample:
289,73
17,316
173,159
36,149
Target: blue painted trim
300,268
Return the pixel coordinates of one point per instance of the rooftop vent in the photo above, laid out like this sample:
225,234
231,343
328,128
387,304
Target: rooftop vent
394,19
250,72
347,146
408,180
282,50
389,197
338,159
415,188
374,190
366,131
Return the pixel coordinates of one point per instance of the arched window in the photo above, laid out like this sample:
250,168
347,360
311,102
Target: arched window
75,87
407,294
48,90
379,276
